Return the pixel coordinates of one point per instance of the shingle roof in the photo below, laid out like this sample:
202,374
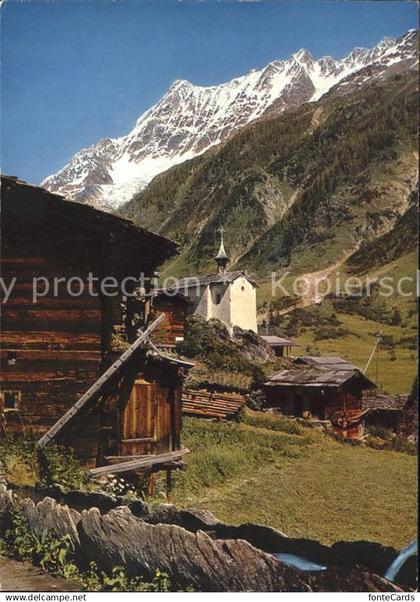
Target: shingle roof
316,377
168,292
328,362
226,277
385,402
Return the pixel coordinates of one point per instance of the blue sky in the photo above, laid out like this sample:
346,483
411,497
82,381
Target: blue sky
76,71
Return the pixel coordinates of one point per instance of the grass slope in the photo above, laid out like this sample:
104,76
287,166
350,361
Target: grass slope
272,471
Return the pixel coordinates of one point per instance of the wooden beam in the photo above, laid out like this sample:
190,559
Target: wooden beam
141,462
95,390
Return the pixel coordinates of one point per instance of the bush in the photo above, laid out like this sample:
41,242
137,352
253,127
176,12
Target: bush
255,400
25,466
330,332
210,342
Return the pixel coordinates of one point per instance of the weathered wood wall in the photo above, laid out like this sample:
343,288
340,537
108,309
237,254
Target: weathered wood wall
173,327
51,350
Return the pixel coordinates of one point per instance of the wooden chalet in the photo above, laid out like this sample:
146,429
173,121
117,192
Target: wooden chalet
322,388
61,378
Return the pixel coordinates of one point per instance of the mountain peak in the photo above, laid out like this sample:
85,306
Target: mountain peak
190,119
303,56
180,83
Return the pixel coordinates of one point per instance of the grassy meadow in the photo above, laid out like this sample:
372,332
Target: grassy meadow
276,472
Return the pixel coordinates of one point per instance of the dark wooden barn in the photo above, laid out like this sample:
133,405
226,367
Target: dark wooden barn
57,331
326,388
394,412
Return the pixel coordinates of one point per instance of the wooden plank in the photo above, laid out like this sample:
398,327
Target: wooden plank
142,462
139,440
99,385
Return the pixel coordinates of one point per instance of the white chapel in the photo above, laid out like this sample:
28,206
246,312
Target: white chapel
230,297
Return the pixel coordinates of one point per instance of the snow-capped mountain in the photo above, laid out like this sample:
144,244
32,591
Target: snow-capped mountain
190,119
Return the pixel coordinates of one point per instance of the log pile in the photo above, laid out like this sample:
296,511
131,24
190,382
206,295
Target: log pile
205,404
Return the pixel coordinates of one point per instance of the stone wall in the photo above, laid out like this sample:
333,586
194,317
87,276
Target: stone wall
195,549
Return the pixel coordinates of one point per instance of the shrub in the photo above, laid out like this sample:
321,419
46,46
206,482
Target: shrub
24,465
255,400
330,332
210,342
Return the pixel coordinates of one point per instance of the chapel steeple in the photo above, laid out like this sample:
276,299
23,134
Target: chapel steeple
222,258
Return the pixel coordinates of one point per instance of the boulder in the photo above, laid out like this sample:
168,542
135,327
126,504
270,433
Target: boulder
194,519
139,508
167,514
343,579
48,518
373,556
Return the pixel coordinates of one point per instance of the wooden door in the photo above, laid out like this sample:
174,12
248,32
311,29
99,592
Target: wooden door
139,420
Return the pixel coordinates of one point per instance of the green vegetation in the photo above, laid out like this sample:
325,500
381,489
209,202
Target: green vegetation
273,471
348,325
210,342
24,466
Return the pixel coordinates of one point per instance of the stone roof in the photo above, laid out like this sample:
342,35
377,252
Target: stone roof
385,402
275,341
328,362
317,377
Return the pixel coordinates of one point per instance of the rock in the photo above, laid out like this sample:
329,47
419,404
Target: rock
225,558
408,575
373,556
206,564
265,538
194,519
253,346
140,509
50,518
165,514
196,560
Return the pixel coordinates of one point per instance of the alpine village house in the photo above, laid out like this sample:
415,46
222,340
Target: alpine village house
63,377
